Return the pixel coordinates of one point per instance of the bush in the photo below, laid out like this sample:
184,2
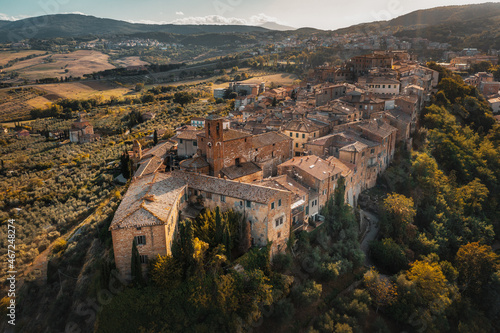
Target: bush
283,311
59,245
282,262
389,255
307,293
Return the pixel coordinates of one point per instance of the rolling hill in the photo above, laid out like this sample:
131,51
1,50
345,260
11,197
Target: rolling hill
462,26
74,25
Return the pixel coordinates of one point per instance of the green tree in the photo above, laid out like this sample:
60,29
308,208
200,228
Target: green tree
155,137
183,98
400,213
475,264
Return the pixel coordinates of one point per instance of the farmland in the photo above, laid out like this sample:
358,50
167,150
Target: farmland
74,64
7,56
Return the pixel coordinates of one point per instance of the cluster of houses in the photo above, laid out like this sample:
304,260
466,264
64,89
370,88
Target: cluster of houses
277,159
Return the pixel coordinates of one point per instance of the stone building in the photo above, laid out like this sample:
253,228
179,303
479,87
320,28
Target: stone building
317,175
240,155
303,130
154,204
82,131
148,213
187,143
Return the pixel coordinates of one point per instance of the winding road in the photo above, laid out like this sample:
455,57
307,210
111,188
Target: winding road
373,229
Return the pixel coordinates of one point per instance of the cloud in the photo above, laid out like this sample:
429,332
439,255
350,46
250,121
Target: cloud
179,13
221,20
5,17
261,19
79,13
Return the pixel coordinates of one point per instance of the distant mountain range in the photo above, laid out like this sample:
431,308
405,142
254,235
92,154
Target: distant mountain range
74,25
468,25
276,26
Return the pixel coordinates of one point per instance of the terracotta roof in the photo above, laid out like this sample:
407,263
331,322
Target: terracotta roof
284,182
345,167
400,115
242,170
266,139
148,166
186,128
148,201
305,125
160,150
378,127
188,135
354,147
228,188
194,163
313,165
233,135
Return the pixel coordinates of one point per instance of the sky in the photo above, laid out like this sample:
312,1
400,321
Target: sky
321,14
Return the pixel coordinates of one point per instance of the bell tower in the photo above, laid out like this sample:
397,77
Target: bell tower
214,132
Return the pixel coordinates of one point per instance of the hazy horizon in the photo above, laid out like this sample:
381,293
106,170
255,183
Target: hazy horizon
321,14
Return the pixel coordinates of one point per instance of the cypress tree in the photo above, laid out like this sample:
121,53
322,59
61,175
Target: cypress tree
155,137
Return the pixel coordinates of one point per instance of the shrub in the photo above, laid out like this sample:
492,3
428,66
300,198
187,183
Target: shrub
59,245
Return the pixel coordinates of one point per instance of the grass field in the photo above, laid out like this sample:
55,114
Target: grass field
131,61
6,56
84,90
18,106
74,64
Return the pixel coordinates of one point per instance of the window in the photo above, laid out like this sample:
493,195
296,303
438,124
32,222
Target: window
303,136
241,203
222,198
279,203
296,135
272,205
181,141
144,259
140,240
372,151
291,134
138,228
383,86
279,221
296,145
279,234
389,86
249,204
307,210
195,144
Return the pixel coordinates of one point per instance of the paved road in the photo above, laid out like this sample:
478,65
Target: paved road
372,233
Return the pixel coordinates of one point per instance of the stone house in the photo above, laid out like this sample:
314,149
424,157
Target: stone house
317,175
303,130
153,206
82,132
187,143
